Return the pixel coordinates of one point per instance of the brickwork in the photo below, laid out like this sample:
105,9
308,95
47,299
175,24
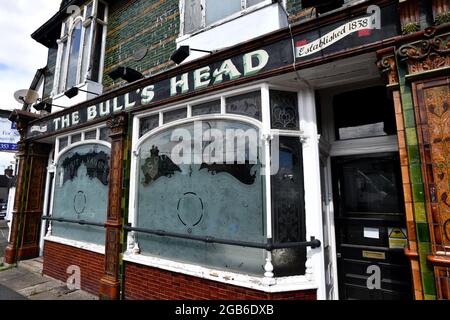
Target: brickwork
133,25
147,283
58,257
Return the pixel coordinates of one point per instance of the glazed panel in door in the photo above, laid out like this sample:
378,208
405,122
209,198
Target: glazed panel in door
327,230
370,227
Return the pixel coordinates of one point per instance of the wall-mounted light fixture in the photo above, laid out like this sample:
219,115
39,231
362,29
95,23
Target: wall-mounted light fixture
183,52
73,92
46,106
125,73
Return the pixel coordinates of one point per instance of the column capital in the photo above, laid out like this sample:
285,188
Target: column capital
388,66
22,119
118,124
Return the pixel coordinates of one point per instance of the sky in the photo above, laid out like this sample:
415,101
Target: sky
20,55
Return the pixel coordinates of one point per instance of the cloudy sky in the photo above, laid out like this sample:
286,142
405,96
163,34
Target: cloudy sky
20,56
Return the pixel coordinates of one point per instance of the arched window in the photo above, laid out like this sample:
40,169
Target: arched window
210,186
81,192
228,167
80,47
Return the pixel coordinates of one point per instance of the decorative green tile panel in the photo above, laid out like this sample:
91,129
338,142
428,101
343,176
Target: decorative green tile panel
419,212
417,191
422,232
424,248
413,154
417,187
416,173
411,136
428,283
407,102
409,118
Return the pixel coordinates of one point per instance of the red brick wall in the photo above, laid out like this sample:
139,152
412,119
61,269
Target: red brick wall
146,283
58,257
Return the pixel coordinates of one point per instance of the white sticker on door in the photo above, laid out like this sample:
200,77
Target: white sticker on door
371,233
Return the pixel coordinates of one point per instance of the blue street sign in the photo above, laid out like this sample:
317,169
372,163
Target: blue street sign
8,147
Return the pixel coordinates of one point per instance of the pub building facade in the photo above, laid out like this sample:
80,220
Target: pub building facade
348,99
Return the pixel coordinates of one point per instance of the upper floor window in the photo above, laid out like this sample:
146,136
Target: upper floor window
323,6
80,46
199,14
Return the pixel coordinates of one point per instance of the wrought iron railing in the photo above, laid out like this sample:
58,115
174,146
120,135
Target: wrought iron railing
269,246
80,222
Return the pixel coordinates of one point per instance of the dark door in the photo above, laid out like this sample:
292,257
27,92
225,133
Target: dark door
370,228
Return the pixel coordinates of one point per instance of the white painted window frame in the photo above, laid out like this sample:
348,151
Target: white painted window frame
313,278
62,62
55,156
244,10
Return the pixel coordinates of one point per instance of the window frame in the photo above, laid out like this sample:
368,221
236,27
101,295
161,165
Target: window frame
64,46
132,251
244,10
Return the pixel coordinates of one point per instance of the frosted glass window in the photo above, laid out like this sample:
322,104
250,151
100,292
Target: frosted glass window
218,9
253,2
81,193
175,115
105,134
148,124
248,104
76,138
206,108
63,142
208,199
91,135
192,16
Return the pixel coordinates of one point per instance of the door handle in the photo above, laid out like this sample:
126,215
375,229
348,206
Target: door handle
338,255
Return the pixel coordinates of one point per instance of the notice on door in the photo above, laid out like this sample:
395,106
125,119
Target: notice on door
371,233
397,238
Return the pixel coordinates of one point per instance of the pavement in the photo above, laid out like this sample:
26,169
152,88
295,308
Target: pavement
26,282
3,237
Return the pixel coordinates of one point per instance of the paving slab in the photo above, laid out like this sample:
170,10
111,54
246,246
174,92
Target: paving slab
26,281
8,294
40,288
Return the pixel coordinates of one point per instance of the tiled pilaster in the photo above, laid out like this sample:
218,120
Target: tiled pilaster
414,192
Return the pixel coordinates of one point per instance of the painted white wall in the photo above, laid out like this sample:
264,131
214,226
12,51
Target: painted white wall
241,29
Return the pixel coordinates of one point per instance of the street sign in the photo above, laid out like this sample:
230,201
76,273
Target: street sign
9,136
